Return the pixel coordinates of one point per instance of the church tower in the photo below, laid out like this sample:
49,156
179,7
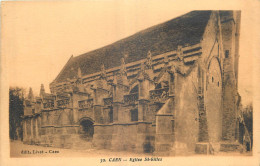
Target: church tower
230,21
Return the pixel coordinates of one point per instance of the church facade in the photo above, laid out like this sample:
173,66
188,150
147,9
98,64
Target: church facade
170,89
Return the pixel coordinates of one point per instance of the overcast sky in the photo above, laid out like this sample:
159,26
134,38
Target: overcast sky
39,37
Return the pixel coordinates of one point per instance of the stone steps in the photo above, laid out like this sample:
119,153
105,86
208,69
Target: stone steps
230,147
219,148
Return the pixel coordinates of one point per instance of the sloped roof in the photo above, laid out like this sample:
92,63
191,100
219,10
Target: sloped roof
166,108
185,30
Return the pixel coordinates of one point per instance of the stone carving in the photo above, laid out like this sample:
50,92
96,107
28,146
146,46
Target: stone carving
86,103
148,63
123,67
159,95
103,73
131,99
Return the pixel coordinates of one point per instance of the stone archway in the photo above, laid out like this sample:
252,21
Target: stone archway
213,101
86,129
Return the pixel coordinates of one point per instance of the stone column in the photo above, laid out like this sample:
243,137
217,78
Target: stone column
165,128
32,138
75,99
100,94
118,99
36,130
142,110
203,124
172,84
25,131
98,114
143,141
115,142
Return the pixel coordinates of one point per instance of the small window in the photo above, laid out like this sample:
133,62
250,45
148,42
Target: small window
134,115
218,83
212,79
111,116
226,53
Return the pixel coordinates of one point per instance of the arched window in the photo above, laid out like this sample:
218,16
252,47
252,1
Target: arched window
110,114
86,129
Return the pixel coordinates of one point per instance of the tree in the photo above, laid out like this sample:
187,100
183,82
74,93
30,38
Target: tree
16,109
248,118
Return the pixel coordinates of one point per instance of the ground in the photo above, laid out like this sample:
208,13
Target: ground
20,150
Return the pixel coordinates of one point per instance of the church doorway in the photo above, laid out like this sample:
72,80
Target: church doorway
86,130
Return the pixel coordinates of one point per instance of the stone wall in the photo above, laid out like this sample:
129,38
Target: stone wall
185,97
186,126
213,101
229,32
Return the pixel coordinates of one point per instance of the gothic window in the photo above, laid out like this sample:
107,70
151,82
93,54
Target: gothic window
226,53
134,115
111,115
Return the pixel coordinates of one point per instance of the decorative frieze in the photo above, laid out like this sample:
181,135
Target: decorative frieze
63,103
108,101
131,99
159,95
86,103
48,105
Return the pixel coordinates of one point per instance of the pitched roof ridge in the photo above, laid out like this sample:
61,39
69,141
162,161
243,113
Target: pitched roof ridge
186,29
70,59
146,30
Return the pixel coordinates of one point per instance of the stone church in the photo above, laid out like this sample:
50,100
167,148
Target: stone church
170,89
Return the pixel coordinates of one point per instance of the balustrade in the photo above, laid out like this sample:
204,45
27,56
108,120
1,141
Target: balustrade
63,103
48,105
131,98
86,103
159,95
108,101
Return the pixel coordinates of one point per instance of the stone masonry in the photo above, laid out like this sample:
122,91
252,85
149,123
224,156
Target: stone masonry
168,90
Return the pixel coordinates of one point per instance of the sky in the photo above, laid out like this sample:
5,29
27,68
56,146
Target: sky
38,38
